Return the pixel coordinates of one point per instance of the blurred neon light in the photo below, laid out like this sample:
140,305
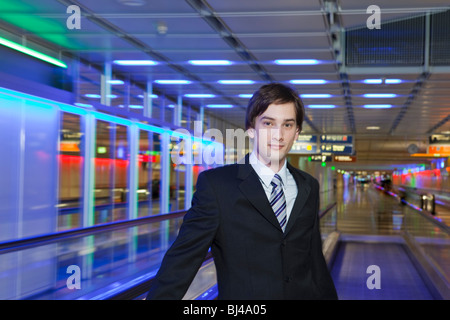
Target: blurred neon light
315,95
173,81
236,81
199,95
245,95
380,95
373,81
308,81
219,106
296,61
135,62
97,96
115,82
210,62
32,53
321,106
377,106
392,81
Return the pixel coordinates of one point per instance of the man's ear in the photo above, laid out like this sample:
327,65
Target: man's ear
297,132
251,133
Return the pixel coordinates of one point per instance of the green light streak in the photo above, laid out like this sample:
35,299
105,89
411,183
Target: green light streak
31,52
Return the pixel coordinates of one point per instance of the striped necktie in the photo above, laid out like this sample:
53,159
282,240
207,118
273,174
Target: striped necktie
278,201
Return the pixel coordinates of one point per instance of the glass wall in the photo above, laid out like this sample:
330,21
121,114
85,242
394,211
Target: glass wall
149,174
71,165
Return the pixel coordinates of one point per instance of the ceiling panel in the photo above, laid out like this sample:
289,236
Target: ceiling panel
176,32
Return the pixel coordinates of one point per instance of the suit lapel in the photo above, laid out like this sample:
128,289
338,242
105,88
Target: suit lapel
302,195
252,189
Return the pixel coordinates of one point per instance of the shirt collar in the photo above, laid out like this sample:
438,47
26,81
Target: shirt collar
265,173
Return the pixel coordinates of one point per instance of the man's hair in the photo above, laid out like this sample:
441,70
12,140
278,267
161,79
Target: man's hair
273,93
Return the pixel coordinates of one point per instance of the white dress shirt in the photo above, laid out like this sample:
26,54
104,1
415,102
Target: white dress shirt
266,175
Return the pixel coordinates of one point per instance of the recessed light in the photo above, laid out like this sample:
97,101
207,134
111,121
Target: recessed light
210,62
199,95
377,106
236,81
315,95
135,62
296,61
173,81
321,106
115,82
219,105
380,95
373,81
308,81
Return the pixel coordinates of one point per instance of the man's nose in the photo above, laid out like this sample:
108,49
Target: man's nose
276,134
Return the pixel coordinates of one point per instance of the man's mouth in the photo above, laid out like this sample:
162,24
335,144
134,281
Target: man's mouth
276,146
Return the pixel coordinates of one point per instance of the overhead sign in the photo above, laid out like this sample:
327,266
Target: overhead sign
336,138
336,148
439,149
344,158
320,158
336,144
443,139
305,144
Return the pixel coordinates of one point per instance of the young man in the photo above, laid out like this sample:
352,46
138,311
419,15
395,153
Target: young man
260,217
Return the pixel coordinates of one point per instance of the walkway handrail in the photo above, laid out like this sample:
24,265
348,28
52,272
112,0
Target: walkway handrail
36,241
326,210
441,225
31,242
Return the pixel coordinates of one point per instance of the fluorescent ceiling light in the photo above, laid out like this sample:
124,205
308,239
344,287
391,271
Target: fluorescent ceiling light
392,81
296,61
373,81
132,106
321,106
380,95
308,81
32,53
84,105
380,81
210,62
113,82
97,96
135,62
315,95
236,81
199,95
91,95
173,81
373,128
377,106
154,96
219,106
245,95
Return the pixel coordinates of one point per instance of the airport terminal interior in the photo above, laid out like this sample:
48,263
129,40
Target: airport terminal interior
110,110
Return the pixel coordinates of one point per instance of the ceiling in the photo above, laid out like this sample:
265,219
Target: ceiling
252,34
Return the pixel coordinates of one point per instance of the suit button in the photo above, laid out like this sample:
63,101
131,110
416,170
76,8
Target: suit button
287,279
283,243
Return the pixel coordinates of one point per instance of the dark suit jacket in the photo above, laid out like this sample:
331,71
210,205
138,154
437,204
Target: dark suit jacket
254,259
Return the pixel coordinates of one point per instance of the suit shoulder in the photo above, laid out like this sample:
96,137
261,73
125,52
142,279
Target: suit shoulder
229,170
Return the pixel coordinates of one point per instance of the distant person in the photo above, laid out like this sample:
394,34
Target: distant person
260,217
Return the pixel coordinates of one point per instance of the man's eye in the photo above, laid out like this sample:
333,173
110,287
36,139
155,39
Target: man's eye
267,123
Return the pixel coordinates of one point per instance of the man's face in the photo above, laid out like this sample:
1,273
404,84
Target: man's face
274,134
